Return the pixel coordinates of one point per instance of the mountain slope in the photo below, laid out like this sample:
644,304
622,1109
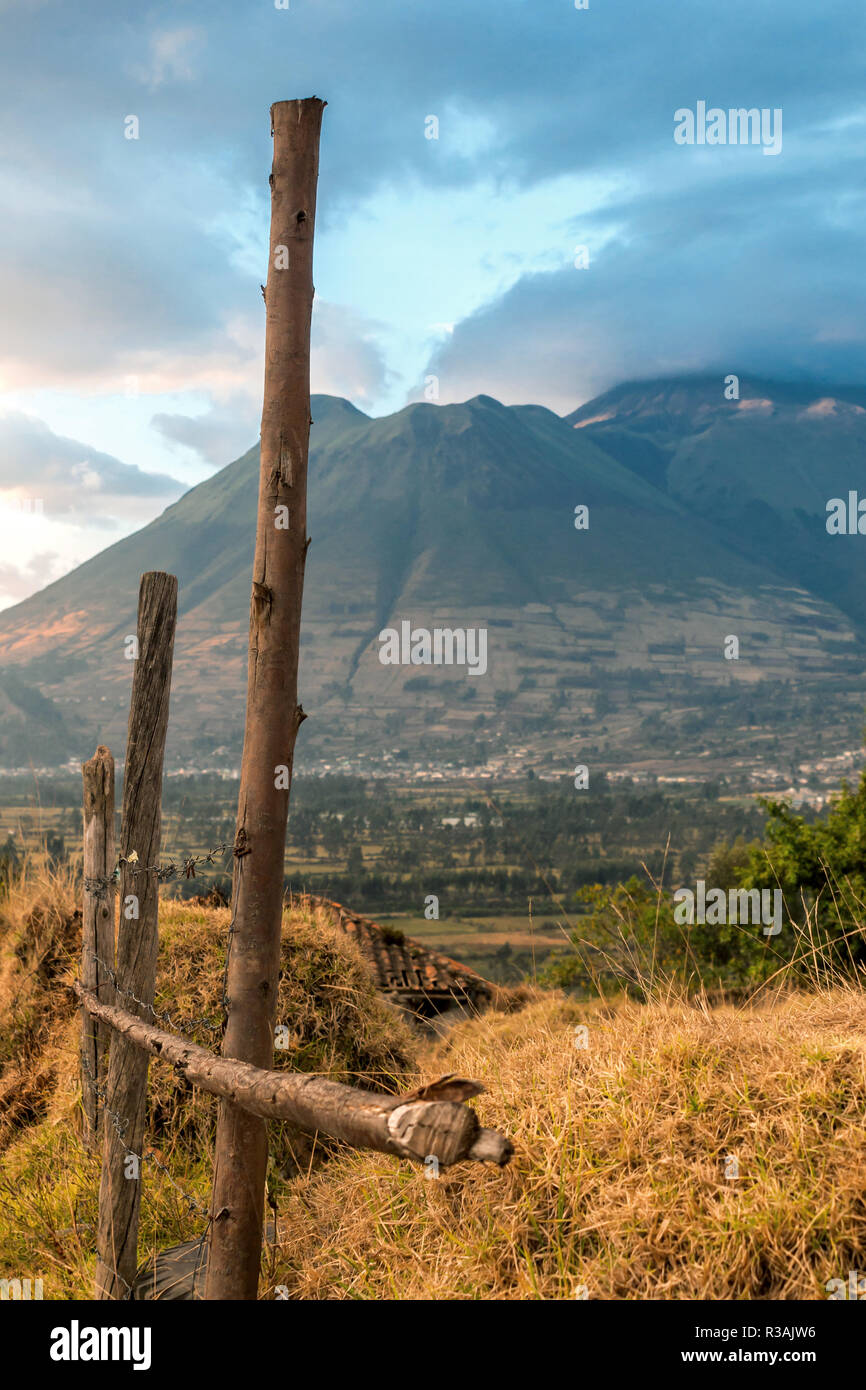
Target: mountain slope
762,468
463,516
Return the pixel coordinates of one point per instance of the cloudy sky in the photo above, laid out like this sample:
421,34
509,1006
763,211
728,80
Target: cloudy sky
131,321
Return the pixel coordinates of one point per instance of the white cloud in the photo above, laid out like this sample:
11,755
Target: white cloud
218,435
170,57
346,358
66,478
61,502
19,581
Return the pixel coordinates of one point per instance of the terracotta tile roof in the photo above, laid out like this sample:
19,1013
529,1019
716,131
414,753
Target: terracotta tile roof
405,969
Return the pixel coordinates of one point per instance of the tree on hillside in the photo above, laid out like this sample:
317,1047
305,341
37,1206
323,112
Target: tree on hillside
821,869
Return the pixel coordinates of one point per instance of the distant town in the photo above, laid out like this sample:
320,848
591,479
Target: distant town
815,783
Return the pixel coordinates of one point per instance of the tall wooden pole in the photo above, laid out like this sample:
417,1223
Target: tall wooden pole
137,934
273,715
97,931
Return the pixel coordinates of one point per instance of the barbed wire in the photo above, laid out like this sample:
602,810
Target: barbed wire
102,886
229,938
182,1025
99,886
164,872
121,1125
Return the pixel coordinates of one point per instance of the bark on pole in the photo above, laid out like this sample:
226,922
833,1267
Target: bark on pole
97,932
137,934
273,714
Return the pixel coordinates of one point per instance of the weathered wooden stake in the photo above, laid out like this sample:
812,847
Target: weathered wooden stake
137,935
97,934
273,714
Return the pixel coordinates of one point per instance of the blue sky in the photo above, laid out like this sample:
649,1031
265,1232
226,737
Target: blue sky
132,324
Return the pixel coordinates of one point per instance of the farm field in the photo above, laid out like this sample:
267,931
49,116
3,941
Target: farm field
388,846
488,858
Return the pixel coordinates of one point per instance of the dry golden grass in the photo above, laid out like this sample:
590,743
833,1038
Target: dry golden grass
618,1179
618,1182
48,1182
40,930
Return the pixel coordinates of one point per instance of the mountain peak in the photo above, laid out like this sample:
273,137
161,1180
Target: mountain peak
681,404
325,407
463,515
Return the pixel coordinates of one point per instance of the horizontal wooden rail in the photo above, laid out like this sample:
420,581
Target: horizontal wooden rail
408,1127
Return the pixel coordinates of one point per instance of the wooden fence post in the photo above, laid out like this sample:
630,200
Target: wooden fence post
137,934
273,715
97,932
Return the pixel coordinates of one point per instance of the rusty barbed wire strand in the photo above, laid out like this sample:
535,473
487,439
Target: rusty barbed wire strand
99,887
182,1025
164,872
121,1125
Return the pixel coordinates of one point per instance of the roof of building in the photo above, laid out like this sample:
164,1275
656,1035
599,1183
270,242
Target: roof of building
405,969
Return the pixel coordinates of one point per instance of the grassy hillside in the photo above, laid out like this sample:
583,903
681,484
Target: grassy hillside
618,1185
338,1026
